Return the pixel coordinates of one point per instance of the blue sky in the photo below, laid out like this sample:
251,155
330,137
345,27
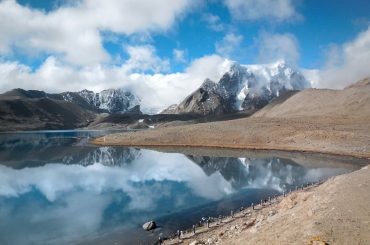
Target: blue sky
321,24
173,45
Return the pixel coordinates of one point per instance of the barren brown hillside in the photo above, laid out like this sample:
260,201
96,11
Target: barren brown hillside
351,102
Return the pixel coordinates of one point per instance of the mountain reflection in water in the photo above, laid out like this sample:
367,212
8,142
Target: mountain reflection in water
55,188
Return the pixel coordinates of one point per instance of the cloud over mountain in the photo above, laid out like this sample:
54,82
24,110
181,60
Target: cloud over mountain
156,90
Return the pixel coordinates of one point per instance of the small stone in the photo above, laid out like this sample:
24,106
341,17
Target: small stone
272,212
233,228
211,240
196,242
150,225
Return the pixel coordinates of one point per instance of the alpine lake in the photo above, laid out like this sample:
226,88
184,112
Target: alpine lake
57,188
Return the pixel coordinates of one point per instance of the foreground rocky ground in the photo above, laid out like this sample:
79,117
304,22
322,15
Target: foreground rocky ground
335,212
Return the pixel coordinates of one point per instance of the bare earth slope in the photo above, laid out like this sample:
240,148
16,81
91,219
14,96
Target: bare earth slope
326,121
351,102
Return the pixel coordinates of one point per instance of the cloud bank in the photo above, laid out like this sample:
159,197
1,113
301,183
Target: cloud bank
73,31
346,63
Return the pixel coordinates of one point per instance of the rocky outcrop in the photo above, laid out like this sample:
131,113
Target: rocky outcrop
204,101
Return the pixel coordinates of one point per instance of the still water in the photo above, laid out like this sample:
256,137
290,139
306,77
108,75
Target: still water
56,188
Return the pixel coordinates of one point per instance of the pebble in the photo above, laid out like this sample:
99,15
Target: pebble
272,212
212,240
196,242
235,227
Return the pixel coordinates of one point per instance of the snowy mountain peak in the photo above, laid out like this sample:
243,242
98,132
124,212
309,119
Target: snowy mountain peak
111,100
244,87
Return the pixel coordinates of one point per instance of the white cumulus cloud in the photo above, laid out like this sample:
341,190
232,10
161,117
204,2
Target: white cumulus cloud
274,46
144,58
347,63
73,31
214,22
229,44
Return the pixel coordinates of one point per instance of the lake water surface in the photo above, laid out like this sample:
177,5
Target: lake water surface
56,188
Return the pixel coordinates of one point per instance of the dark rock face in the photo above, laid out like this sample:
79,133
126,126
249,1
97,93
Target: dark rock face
22,113
20,93
257,101
204,101
134,110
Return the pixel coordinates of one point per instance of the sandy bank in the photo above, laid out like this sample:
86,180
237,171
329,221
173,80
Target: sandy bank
337,212
324,135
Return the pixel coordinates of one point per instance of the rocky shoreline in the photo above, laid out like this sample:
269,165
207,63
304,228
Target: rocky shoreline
314,214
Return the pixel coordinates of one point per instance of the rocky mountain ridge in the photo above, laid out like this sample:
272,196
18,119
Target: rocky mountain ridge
33,110
110,100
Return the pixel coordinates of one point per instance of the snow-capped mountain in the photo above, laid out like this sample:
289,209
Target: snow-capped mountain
242,87
253,83
110,100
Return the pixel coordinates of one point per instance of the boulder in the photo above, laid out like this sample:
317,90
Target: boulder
150,225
